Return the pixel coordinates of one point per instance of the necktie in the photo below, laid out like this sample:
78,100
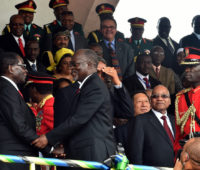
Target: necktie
115,61
21,46
157,72
33,67
167,129
147,83
70,46
171,49
27,31
20,93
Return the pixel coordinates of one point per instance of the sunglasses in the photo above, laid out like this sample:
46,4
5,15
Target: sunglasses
164,96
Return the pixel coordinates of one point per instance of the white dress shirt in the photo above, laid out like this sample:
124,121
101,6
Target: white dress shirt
22,38
72,38
159,115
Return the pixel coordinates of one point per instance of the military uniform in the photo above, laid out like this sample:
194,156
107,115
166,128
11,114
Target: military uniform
187,107
145,44
44,115
96,36
55,25
35,32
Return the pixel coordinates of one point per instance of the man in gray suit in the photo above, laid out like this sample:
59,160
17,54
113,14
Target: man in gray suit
117,54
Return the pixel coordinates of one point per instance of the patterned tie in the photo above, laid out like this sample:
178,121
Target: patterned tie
171,49
21,46
115,61
167,129
147,83
34,67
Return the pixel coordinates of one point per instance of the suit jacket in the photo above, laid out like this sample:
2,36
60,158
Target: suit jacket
125,55
190,41
8,43
17,125
170,59
133,84
80,41
88,130
149,143
166,77
40,67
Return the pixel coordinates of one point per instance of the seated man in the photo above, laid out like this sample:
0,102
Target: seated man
163,74
103,10
117,54
141,80
33,64
27,9
151,135
141,103
76,41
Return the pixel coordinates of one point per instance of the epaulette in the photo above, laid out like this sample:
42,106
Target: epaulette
47,29
34,25
54,22
8,27
183,91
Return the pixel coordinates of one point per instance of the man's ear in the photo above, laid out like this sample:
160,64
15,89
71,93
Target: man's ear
10,69
185,157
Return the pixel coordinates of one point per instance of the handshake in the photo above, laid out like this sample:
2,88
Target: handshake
42,141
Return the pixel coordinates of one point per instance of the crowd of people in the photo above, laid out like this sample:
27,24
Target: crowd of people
66,95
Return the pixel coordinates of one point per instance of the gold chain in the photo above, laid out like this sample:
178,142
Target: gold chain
182,121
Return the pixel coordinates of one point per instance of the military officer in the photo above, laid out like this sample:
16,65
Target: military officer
58,7
137,42
187,107
103,10
31,31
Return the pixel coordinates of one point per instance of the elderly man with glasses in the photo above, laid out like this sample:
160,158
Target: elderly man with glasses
151,135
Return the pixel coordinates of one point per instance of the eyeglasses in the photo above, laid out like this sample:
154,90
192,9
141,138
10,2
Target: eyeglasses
164,96
22,65
158,53
108,27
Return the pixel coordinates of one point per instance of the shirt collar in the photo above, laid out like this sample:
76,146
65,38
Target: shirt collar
197,35
29,27
158,114
154,67
59,22
142,76
112,43
31,63
11,81
82,83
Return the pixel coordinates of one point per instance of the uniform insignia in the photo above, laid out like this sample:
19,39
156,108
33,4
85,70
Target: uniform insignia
102,7
30,4
39,119
186,52
146,51
183,91
55,22
34,26
37,36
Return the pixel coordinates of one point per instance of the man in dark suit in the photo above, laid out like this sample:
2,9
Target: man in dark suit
167,43
151,135
27,9
88,130
192,40
103,10
117,54
17,122
141,80
33,64
14,41
76,41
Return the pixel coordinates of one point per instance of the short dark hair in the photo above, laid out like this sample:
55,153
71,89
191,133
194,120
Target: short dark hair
31,41
193,20
111,18
6,59
141,57
140,91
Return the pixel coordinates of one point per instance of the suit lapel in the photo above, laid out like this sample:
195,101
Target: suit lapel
156,123
14,44
137,83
